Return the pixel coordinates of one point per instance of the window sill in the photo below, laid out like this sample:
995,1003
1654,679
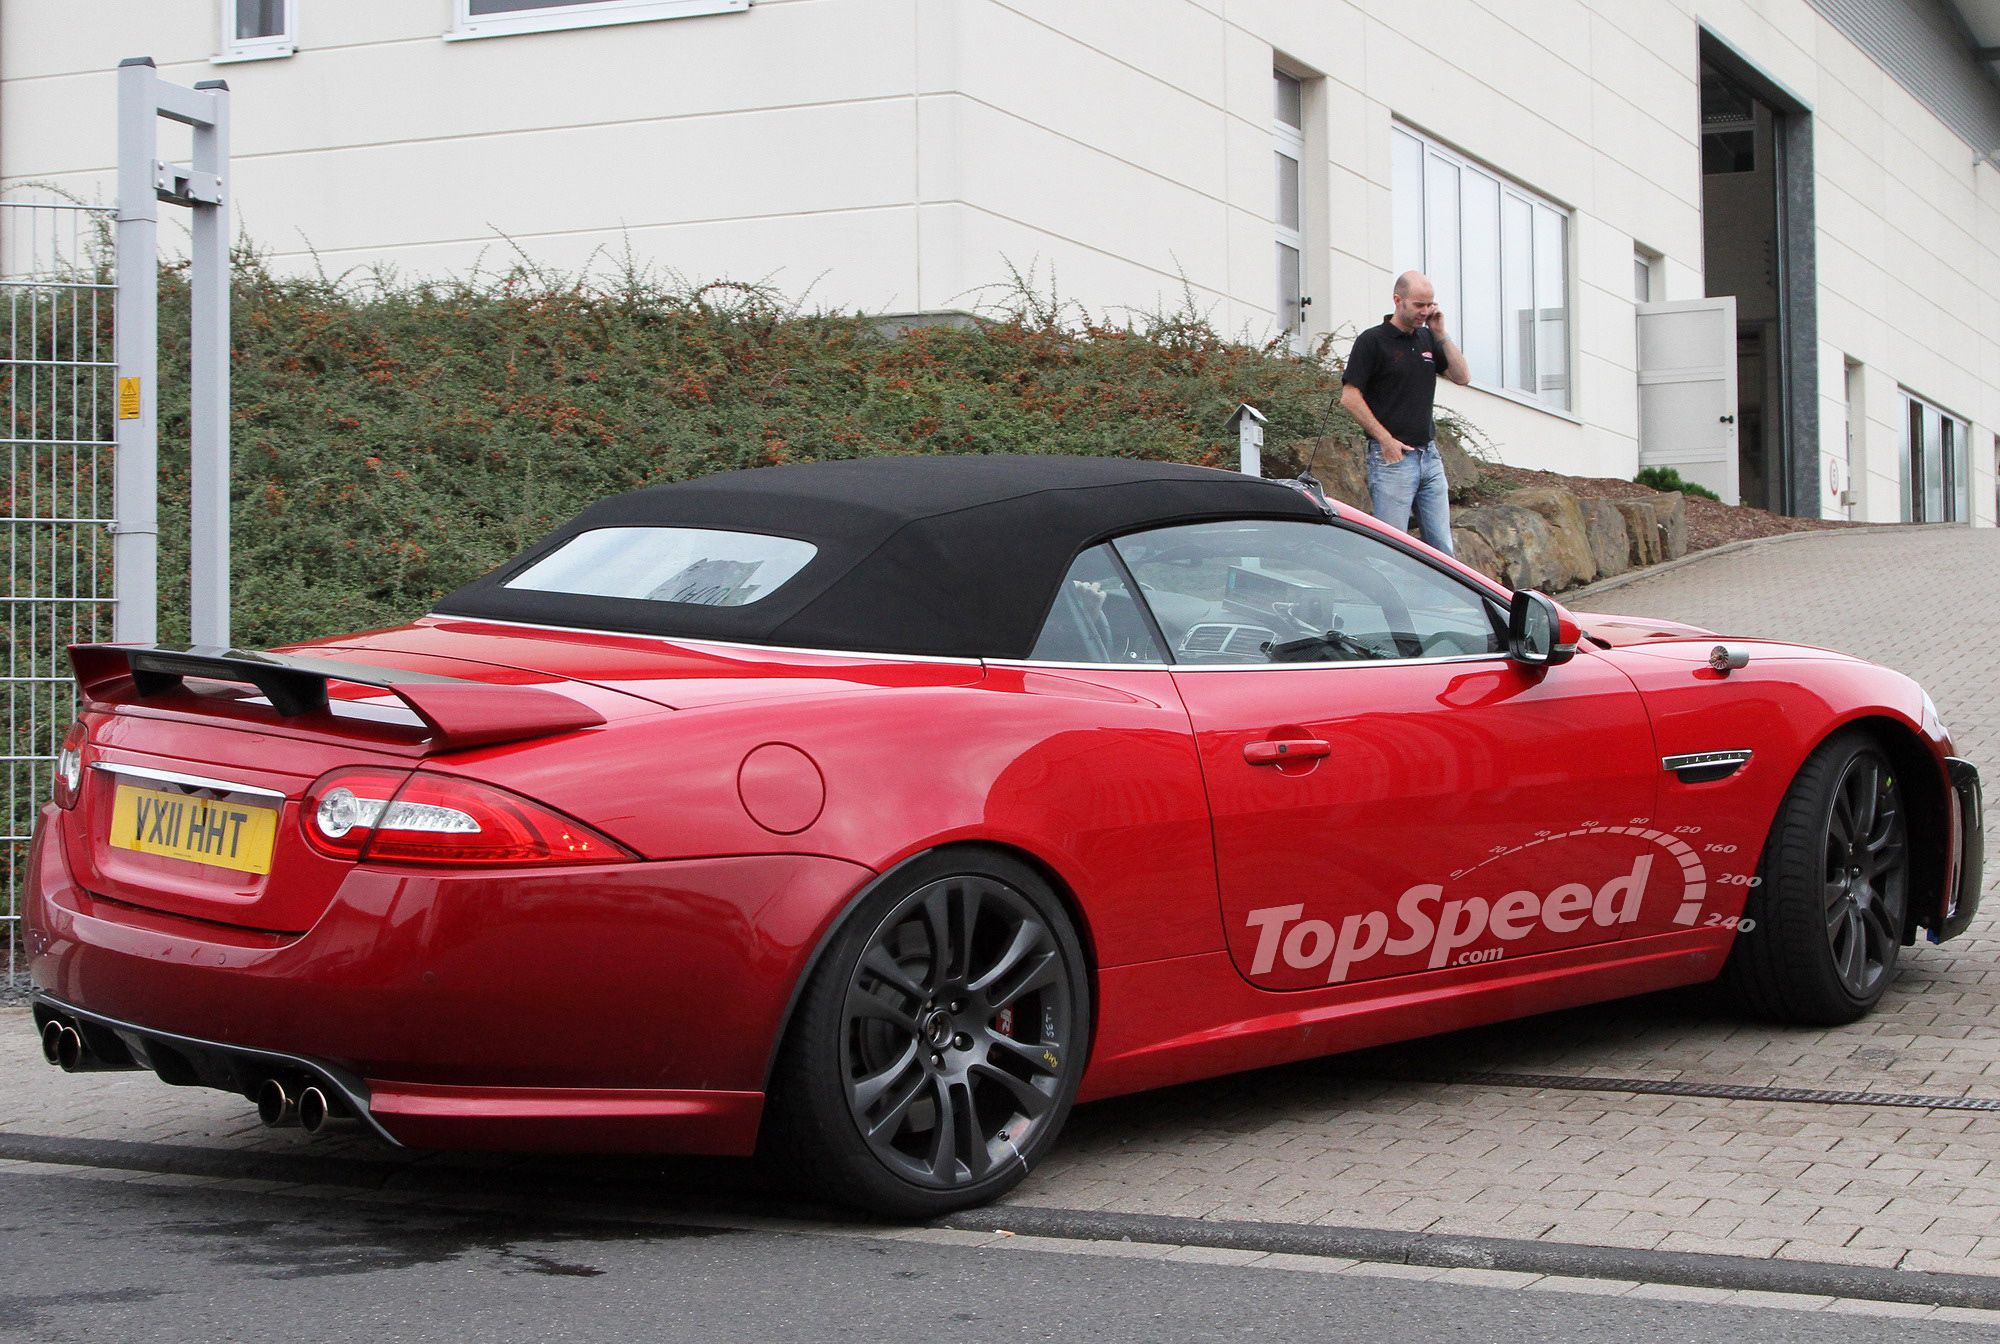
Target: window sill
1523,399
257,54
599,15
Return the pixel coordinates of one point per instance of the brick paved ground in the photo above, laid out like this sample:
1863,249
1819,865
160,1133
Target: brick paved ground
1333,1142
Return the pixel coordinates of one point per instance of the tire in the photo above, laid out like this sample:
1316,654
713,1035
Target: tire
1825,924
912,1083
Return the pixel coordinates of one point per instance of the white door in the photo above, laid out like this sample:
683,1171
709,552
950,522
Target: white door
1687,391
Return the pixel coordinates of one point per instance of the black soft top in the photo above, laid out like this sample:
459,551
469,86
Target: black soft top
950,556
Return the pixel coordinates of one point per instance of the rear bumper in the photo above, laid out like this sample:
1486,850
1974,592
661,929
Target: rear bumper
634,1007
1962,900
419,1115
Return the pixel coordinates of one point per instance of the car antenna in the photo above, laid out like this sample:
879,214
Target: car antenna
1308,481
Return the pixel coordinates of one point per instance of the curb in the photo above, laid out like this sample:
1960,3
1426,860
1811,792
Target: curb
728,1196
1617,581
1442,1251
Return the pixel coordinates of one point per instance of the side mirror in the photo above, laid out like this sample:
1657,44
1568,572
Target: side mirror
1538,633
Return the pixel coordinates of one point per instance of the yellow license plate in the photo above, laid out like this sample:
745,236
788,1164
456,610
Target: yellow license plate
202,830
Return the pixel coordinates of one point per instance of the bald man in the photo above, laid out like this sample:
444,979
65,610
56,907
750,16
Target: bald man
1389,386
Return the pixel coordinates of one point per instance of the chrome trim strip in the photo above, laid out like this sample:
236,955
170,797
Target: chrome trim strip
186,781
862,655
1079,667
1697,759
857,654
1344,662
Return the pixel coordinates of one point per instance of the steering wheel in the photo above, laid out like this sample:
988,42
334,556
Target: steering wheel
1307,650
1457,641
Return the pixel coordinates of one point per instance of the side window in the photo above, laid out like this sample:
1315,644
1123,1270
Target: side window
1095,618
1283,592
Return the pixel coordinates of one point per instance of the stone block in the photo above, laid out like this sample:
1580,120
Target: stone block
1642,531
1671,510
1521,540
1604,526
1473,550
1571,559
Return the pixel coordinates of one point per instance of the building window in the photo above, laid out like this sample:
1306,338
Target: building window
1289,144
256,30
1499,257
1936,484
497,18
1645,276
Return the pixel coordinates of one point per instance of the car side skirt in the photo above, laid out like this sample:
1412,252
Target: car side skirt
1169,1022
568,1120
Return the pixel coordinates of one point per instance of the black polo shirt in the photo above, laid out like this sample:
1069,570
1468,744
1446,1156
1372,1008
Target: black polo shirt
1397,372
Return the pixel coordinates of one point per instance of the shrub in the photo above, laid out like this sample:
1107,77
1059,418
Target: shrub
1666,478
392,441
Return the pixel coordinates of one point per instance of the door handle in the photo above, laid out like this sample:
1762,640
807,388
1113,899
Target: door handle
1292,749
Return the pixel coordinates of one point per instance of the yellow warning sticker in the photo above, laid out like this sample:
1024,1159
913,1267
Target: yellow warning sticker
128,398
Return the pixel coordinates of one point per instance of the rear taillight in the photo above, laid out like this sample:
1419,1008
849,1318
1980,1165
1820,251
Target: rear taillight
69,766
395,816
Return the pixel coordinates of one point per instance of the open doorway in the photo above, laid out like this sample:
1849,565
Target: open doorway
1757,224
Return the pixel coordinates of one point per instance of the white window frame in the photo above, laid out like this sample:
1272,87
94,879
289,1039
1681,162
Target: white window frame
1289,141
1646,275
581,14
1954,499
233,49
1561,400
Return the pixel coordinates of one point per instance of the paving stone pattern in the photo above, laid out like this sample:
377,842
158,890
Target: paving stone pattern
1340,1141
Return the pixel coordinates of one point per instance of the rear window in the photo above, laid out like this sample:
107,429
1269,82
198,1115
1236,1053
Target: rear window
689,565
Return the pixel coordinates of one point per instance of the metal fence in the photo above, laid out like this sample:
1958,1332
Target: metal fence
57,383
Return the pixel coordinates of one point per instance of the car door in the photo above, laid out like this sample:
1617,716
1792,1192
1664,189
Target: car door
1391,794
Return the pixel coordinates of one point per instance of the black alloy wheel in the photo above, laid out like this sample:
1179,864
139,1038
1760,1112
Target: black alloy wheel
1822,931
938,1046
1867,874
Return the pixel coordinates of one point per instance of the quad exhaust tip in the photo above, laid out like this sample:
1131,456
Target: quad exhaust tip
277,1105
322,1114
64,1046
69,1049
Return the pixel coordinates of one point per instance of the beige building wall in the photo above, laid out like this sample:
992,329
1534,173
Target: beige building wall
912,155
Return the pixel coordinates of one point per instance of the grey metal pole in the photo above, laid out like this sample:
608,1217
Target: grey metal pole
1250,447
135,478
208,405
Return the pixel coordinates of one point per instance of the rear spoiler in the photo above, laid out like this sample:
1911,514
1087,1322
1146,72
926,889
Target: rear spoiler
459,713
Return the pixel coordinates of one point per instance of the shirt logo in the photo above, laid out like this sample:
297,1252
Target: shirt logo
1427,358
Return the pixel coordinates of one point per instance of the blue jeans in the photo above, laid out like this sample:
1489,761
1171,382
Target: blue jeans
1416,482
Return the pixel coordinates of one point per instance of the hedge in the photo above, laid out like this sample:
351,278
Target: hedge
394,440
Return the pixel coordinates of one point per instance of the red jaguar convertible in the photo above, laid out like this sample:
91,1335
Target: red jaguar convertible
870,814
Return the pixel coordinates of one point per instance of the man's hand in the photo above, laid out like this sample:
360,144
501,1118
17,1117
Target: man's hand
1392,451
1453,365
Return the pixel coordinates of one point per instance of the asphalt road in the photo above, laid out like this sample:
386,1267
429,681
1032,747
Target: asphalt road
123,1258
